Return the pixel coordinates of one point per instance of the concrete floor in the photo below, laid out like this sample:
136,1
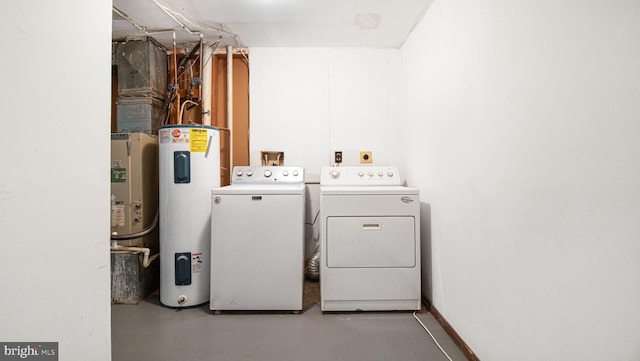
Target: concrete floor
150,331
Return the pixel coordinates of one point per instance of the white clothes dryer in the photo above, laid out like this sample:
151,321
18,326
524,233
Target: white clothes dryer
369,240
257,240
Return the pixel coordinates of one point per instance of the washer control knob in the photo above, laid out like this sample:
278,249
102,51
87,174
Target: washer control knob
267,173
239,173
390,174
335,174
361,174
380,174
295,173
370,174
285,173
249,173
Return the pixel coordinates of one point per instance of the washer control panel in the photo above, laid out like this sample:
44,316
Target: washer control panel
360,176
267,175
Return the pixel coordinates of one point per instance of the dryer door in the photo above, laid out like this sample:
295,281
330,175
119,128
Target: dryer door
371,242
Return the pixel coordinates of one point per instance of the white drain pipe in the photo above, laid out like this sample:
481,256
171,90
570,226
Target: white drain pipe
230,102
205,59
146,261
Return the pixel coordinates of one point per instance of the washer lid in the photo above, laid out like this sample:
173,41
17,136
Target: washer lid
256,189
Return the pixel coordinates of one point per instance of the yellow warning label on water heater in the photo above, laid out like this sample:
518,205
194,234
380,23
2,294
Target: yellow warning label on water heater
198,140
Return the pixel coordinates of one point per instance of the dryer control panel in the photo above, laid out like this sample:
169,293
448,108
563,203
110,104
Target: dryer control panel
360,176
267,175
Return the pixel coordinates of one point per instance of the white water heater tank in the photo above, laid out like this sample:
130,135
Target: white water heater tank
189,169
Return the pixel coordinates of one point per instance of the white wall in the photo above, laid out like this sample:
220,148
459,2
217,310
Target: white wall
289,105
362,102
310,102
521,129
54,180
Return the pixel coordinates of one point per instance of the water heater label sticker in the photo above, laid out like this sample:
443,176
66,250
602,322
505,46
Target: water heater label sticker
165,135
179,136
198,140
196,262
173,135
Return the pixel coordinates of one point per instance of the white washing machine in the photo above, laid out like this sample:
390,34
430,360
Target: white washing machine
369,240
257,240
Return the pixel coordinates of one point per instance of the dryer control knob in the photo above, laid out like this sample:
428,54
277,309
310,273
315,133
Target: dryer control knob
370,174
267,173
390,174
295,173
239,173
285,173
361,174
335,174
380,174
249,173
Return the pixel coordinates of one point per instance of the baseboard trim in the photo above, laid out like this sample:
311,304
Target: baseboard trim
466,350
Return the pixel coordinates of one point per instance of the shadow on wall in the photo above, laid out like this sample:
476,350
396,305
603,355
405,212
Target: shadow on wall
425,251
312,223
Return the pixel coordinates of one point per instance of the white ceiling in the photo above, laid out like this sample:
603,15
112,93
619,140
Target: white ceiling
272,23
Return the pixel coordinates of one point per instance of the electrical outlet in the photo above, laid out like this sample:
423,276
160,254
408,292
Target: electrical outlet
337,157
366,157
